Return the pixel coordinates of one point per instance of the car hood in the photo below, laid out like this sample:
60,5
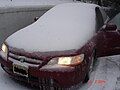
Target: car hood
63,27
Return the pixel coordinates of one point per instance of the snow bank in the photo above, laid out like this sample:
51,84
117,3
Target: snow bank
64,27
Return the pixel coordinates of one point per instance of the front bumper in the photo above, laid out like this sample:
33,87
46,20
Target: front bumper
45,77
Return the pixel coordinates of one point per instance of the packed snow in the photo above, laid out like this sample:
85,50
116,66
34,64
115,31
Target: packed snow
64,27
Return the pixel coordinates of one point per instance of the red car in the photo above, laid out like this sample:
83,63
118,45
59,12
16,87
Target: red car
59,49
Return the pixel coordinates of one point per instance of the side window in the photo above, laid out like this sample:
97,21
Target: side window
99,19
116,20
104,15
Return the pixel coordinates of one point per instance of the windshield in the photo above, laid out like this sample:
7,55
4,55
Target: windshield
116,20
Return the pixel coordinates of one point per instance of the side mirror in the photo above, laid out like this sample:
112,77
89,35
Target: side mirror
36,18
109,27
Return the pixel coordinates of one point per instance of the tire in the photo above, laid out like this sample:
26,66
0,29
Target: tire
91,67
86,78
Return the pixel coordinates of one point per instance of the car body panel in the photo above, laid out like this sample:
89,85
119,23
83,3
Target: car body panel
108,42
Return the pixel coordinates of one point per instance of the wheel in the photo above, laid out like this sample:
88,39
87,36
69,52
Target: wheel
92,61
86,78
91,67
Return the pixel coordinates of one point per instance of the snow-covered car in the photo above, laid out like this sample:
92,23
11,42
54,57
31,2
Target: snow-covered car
59,49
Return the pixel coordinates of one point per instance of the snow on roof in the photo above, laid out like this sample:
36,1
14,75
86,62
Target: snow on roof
64,27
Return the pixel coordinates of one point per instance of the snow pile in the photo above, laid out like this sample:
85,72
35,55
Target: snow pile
64,27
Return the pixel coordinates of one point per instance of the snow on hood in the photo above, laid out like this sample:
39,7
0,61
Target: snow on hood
64,27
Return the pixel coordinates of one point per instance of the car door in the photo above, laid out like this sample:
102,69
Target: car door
108,39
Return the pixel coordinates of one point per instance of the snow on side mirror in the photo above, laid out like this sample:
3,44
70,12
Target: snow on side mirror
109,27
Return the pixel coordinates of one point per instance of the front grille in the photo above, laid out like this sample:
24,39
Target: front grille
24,59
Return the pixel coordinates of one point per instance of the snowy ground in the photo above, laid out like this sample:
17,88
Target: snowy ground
106,76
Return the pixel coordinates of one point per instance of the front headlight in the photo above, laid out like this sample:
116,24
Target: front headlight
68,61
4,48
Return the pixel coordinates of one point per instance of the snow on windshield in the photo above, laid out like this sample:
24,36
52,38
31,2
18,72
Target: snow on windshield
64,27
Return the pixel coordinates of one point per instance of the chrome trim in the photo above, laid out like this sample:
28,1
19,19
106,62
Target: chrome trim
24,59
25,64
